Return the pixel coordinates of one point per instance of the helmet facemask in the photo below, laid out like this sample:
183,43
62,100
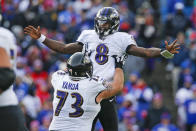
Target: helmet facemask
79,74
79,66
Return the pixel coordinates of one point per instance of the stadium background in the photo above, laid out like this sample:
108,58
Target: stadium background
149,82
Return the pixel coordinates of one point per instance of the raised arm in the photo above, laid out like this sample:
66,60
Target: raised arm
152,52
63,48
53,44
114,88
117,85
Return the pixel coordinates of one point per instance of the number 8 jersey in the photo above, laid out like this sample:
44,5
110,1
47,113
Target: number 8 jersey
102,50
74,105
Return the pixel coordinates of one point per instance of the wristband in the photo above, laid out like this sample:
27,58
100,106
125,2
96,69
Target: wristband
167,54
42,38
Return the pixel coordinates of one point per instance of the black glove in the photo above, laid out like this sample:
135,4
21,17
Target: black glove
119,61
87,52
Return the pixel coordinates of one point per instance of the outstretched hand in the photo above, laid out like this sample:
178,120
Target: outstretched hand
35,33
173,47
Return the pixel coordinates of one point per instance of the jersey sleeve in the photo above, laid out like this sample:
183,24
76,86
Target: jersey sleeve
7,39
128,40
102,84
101,87
82,37
3,45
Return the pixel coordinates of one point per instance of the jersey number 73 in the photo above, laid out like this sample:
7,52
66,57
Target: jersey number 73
77,105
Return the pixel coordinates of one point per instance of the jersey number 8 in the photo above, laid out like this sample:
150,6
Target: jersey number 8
101,56
77,105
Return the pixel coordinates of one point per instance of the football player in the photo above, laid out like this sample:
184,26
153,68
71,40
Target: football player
77,94
101,43
11,116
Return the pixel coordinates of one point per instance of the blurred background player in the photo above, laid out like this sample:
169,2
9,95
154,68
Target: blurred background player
165,124
77,93
190,110
11,116
101,43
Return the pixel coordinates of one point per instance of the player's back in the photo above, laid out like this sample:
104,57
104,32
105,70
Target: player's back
8,42
74,102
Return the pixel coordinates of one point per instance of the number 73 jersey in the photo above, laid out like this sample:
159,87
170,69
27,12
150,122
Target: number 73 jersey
74,106
101,51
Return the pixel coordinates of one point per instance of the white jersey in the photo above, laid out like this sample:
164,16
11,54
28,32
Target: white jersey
102,50
8,42
74,106
182,95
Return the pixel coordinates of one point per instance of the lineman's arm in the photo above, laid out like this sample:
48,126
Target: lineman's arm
118,80
53,44
114,88
152,52
7,75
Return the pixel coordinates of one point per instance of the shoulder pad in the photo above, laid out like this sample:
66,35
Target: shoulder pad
61,72
98,79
